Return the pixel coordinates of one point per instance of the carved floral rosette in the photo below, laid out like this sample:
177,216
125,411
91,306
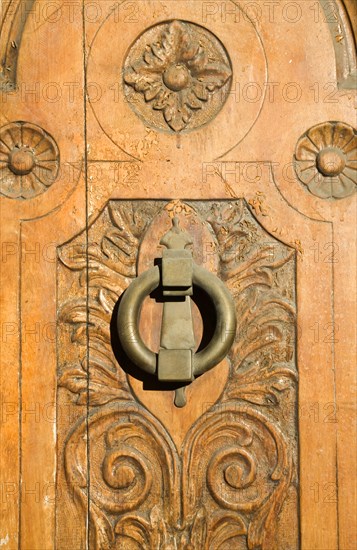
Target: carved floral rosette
29,160
326,160
234,479
177,76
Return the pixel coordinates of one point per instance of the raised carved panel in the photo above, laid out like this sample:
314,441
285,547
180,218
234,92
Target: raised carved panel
233,481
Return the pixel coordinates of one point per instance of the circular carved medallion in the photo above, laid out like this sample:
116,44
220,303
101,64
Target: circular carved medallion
177,76
326,160
29,160
223,108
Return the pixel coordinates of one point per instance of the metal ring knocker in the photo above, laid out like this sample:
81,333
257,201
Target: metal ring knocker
176,361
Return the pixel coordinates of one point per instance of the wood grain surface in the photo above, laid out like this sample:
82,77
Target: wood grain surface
239,118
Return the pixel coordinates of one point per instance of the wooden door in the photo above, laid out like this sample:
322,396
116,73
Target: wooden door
237,118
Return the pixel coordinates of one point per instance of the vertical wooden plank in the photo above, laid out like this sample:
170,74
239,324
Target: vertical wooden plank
50,95
317,438
344,264
9,380
43,419
38,389
71,511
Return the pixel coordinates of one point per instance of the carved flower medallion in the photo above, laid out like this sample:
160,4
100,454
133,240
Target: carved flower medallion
29,160
177,76
326,160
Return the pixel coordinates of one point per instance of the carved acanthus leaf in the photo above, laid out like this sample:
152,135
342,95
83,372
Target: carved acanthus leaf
256,270
229,451
106,267
99,388
178,71
200,531
228,485
262,355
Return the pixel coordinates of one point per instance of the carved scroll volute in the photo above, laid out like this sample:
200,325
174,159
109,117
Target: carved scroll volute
133,469
204,254
231,480
239,463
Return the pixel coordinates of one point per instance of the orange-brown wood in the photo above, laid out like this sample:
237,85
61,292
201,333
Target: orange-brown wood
72,111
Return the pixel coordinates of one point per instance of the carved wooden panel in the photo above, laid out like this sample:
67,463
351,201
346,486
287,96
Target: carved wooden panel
232,478
111,114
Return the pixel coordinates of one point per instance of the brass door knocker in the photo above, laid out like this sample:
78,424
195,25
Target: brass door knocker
176,361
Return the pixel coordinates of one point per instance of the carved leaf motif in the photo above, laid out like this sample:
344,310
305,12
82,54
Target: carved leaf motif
176,74
257,270
106,267
100,387
223,451
225,526
198,532
229,483
147,533
263,350
136,528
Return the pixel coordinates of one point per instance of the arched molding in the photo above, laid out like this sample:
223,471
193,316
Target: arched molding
340,16
13,17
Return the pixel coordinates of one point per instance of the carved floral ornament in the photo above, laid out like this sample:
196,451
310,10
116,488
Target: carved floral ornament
177,68
227,484
326,160
29,160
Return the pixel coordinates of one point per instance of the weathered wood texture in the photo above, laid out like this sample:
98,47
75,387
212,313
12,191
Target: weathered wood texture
238,117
